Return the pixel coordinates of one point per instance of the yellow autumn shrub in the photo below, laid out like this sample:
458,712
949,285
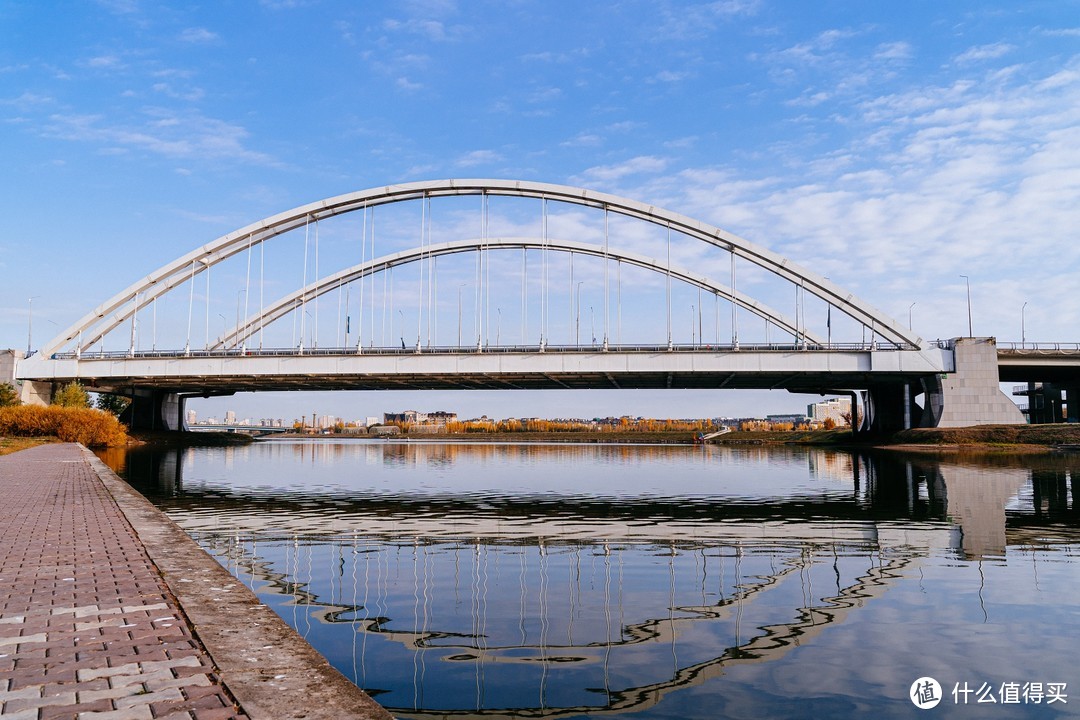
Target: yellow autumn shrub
93,428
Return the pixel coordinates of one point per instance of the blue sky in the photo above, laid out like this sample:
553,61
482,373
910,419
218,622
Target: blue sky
889,146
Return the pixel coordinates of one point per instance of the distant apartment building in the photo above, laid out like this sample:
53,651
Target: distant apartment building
415,417
192,417
792,418
837,409
230,417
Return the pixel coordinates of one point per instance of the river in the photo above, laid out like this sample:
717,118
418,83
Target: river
530,580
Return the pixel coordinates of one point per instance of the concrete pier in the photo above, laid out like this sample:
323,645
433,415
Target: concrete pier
108,610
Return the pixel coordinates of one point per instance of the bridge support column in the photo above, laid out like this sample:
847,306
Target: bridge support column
971,395
888,408
154,410
31,392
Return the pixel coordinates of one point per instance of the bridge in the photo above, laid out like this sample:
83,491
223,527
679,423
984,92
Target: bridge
481,284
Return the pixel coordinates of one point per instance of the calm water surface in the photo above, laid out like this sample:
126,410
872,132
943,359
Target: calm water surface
511,581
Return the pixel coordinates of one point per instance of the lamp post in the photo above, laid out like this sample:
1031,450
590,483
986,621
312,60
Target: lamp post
239,292
1023,330
909,315
459,313
967,282
577,316
30,323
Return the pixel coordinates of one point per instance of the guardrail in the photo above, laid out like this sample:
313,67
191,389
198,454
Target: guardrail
501,349
1037,348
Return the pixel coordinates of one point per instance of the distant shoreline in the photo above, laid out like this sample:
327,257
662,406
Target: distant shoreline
1025,438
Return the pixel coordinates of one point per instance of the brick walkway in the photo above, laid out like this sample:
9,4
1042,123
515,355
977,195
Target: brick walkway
88,628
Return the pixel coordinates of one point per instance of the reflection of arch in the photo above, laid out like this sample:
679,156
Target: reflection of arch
107,316
288,303
766,643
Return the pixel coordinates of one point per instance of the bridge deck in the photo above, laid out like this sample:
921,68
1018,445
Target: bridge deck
772,367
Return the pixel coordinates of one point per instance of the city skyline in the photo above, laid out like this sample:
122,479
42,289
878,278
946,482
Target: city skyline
895,150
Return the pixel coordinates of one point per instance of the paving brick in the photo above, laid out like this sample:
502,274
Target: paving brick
140,712
165,695
65,698
88,628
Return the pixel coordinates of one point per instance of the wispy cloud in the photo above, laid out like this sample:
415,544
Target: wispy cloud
641,165
1061,32
434,30
894,51
161,132
120,7
478,157
668,76
964,178
103,62
984,52
682,21
198,36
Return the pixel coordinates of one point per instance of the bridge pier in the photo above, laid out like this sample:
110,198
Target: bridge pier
31,392
971,395
154,410
888,408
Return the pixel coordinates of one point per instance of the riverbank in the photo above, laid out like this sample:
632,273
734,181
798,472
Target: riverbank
108,608
1029,437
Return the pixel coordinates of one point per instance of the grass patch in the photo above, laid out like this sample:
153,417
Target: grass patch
10,445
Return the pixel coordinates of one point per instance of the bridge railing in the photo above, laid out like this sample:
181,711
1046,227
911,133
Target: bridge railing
472,350
1037,348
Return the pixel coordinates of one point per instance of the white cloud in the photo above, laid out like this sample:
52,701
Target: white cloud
584,140
478,157
971,178
1062,32
984,52
104,62
160,132
198,36
668,76
683,20
894,51
120,7
643,164
433,30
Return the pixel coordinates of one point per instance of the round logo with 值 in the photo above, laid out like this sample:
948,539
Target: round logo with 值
925,693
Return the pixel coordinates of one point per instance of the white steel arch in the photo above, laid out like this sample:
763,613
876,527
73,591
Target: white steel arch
288,303
110,314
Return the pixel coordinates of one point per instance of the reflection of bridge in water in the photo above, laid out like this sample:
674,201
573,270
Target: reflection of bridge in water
610,612
577,614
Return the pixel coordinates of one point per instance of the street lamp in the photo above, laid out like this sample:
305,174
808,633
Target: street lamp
30,323
1023,330
239,292
577,316
967,282
459,313
909,315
